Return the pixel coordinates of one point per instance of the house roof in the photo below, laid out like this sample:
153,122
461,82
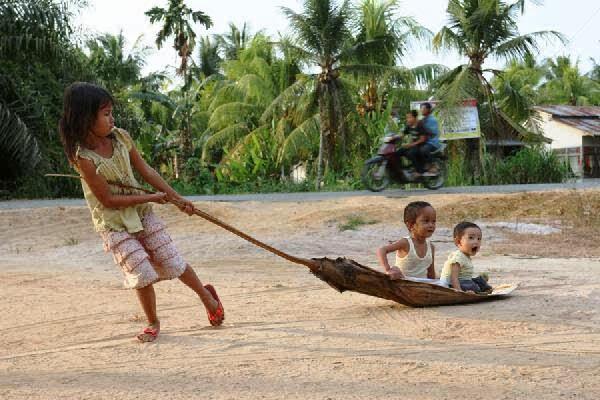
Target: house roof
584,118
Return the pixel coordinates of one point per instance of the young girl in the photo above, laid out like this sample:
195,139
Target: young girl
414,253
124,218
458,269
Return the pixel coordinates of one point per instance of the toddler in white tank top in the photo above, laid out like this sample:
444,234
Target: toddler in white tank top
414,253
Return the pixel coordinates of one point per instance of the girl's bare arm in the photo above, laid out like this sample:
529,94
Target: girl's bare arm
156,181
101,189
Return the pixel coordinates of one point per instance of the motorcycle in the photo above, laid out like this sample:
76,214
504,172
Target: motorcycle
389,165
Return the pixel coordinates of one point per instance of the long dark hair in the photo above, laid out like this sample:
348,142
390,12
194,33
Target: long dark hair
81,103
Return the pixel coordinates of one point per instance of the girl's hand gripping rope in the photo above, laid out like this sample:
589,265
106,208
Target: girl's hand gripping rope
182,203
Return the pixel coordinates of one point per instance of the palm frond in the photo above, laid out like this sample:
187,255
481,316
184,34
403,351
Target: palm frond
447,39
240,147
257,90
520,47
230,92
288,98
527,135
301,142
153,96
226,137
232,113
426,74
19,150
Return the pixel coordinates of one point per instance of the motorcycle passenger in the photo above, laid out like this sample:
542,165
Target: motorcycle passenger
420,150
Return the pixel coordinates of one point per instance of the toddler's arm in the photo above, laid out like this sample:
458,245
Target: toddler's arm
101,190
431,269
454,276
382,252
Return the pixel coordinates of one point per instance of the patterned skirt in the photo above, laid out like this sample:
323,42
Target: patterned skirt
147,256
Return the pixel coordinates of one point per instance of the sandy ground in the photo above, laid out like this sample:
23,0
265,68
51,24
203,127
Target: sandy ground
67,326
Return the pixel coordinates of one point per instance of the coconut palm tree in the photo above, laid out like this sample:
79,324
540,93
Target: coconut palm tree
322,100
234,128
517,91
209,60
378,21
34,39
234,41
564,84
480,30
178,20
112,66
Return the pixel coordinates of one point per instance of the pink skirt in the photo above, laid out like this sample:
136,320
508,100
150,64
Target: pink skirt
147,256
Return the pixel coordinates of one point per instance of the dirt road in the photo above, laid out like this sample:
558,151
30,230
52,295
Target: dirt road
67,328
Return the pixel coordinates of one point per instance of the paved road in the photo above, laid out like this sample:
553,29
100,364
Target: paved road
317,196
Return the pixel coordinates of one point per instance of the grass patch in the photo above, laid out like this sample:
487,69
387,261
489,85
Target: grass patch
71,241
353,222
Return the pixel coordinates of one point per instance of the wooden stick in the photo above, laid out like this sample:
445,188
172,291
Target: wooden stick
296,260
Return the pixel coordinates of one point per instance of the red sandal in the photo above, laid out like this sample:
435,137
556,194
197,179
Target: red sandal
216,318
149,331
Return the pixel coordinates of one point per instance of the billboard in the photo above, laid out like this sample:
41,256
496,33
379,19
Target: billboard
462,124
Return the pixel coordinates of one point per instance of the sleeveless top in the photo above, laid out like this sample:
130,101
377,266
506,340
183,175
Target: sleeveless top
117,168
466,267
412,265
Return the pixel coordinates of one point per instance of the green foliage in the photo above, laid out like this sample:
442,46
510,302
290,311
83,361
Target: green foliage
246,113
533,164
19,150
353,222
478,30
566,85
528,165
177,21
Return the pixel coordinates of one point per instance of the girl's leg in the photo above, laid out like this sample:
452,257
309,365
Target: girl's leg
147,298
190,278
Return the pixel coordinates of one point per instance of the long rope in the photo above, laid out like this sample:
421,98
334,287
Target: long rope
296,260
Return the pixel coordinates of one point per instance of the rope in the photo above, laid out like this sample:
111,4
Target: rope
296,260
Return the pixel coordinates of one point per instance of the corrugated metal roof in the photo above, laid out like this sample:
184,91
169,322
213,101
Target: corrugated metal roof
589,125
571,111
584,118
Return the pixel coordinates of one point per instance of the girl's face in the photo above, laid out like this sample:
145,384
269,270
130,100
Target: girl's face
470,242
424,226
104,121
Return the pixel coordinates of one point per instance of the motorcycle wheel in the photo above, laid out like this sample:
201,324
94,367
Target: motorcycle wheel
436,182
375,176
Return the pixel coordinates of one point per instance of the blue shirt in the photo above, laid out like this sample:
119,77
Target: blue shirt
433,130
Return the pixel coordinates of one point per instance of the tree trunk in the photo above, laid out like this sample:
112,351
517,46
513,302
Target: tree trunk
186,147
176,169
320,163
324,137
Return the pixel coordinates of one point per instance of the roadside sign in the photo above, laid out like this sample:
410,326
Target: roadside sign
463,124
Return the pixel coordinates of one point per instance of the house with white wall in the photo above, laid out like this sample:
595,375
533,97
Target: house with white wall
575,135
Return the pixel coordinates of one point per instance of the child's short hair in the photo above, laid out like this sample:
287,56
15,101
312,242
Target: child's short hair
414,113
460,228
412,210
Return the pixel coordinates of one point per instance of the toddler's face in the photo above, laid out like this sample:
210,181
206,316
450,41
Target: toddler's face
470,242
425,224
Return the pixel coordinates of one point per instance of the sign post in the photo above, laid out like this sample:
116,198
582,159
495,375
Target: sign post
462,124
